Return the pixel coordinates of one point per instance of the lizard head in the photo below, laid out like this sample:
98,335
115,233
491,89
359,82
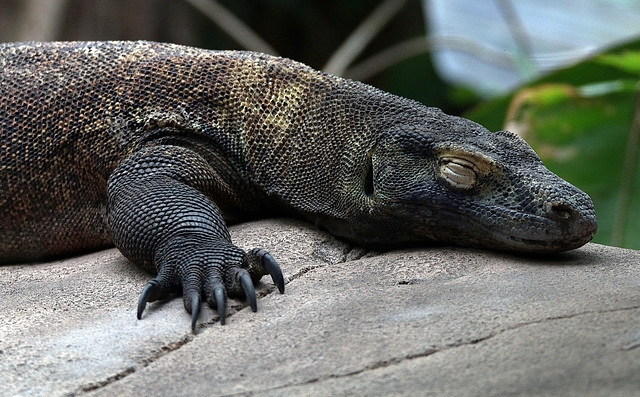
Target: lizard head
451,180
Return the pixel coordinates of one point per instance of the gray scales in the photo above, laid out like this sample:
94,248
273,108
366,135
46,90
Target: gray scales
155,147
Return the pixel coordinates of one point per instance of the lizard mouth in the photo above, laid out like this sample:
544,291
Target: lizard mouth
507,229
536,234
542,246
546,242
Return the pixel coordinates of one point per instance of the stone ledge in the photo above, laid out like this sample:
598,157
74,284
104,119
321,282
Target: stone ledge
444,320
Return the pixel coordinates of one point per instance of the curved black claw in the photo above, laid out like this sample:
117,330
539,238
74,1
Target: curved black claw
274,270
221,302
249,290
204,273
150,289
194,297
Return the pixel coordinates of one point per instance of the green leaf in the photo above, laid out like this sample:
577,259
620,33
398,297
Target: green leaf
608,87
549,94
628,61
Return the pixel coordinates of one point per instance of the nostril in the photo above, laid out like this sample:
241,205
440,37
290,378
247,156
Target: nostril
561,212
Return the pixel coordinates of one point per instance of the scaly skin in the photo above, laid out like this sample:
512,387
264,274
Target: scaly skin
151,147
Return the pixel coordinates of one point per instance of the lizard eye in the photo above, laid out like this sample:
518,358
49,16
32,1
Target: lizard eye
458,172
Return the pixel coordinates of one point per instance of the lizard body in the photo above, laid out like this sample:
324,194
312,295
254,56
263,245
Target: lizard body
151,147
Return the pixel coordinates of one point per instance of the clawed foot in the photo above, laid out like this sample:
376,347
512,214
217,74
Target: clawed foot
210,274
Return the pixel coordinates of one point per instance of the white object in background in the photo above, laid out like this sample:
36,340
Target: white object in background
493,46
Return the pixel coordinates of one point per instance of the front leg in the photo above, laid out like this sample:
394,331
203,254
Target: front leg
160,218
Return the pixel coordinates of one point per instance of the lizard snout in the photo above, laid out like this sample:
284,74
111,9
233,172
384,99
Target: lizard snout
577,223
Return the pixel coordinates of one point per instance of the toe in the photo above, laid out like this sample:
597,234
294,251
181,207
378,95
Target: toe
157,288
259,262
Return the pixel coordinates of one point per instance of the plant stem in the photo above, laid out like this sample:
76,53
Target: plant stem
628,172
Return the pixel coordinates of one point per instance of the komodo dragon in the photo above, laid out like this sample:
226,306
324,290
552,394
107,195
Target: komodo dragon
150,146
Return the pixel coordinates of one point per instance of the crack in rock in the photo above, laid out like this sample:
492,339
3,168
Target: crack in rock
433,350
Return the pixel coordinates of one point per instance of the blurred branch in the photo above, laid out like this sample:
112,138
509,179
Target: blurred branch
40,20
232,25
626,185
420,45
388,57
520,37
358,40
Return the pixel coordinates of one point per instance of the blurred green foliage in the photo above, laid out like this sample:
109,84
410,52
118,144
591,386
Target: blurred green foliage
584,122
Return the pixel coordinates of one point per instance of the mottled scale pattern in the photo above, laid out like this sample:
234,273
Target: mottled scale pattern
155,147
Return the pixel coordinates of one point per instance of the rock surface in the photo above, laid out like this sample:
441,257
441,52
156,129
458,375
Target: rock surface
432,321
